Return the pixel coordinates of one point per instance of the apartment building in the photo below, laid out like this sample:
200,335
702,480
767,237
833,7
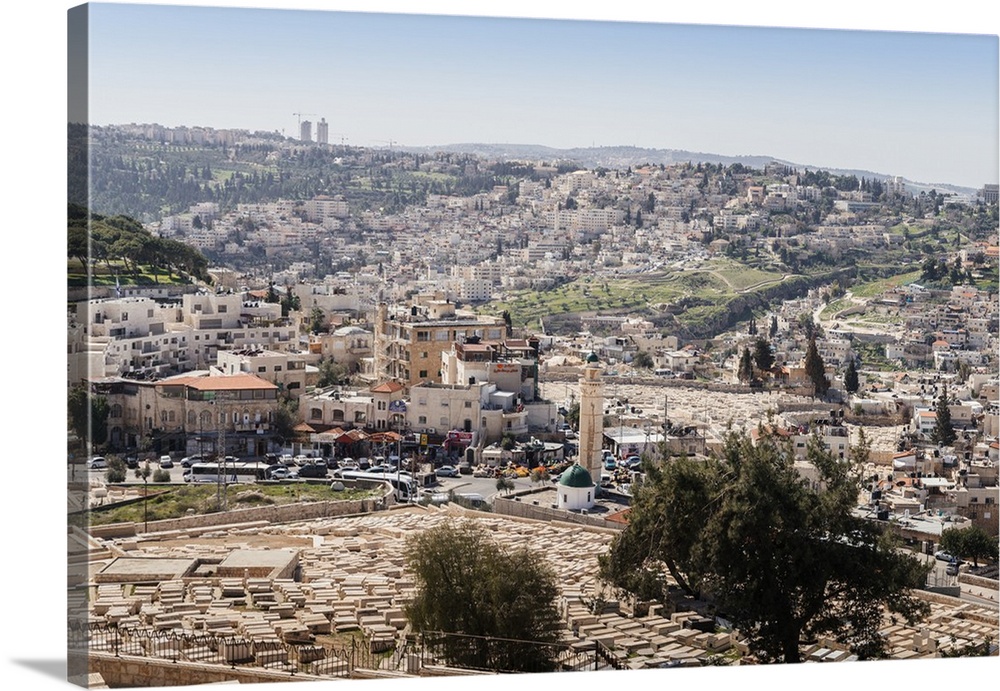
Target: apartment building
144,337
409,344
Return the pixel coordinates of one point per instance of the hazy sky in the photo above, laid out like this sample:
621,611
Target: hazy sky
916,104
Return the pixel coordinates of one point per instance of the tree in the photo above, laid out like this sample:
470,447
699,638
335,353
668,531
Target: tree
762,355
851,383
969,543
504,484
943,432
745,370
539,474
289,302
143,473
643,360
784,559
285,418
88,416
117,470
815,369
331,373
317,320
498,602
573,415
773,329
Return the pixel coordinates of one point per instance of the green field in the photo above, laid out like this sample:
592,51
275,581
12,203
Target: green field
76,276
875,288
713,282
171,501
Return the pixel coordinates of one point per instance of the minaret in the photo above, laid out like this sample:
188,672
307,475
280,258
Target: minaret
592,419
380,345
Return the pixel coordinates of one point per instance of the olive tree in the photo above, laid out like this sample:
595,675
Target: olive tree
487,607
783,558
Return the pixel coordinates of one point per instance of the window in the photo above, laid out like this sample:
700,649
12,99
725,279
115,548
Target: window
262,368
423,336
315,414
422,420
444,403
423,374
424,354
222,308
468,404
444,421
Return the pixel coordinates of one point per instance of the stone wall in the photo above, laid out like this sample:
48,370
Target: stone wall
506,506
286,513
129,671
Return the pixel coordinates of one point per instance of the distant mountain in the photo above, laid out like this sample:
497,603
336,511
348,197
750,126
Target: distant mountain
625,156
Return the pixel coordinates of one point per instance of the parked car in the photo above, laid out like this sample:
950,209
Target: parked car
317,469
943,556
187,461
166,462
279,472
132,461
97,463
447,471
953,568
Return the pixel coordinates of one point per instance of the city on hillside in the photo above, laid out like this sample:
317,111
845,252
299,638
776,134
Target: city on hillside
344,347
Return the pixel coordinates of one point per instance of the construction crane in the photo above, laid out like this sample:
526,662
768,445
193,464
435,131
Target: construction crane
390,142
299,115
343,137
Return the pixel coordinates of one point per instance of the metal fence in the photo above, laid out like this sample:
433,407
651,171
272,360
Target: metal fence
343,659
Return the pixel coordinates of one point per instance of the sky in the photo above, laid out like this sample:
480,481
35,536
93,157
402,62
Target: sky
916,104
33,184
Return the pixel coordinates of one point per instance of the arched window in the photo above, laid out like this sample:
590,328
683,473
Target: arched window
338,415
315,413
191,418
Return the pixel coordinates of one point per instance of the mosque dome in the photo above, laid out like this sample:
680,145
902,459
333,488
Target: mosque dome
576,476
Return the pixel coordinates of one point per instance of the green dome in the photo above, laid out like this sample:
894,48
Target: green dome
592,357
576,476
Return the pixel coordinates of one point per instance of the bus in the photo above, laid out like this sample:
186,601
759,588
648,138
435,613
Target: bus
233,472
403,484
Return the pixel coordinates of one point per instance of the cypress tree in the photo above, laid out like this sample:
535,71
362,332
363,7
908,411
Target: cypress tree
745,371
943,432
815,369
851,377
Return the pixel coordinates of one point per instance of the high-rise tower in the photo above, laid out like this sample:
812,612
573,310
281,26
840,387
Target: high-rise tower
591,418
323,131
305,131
